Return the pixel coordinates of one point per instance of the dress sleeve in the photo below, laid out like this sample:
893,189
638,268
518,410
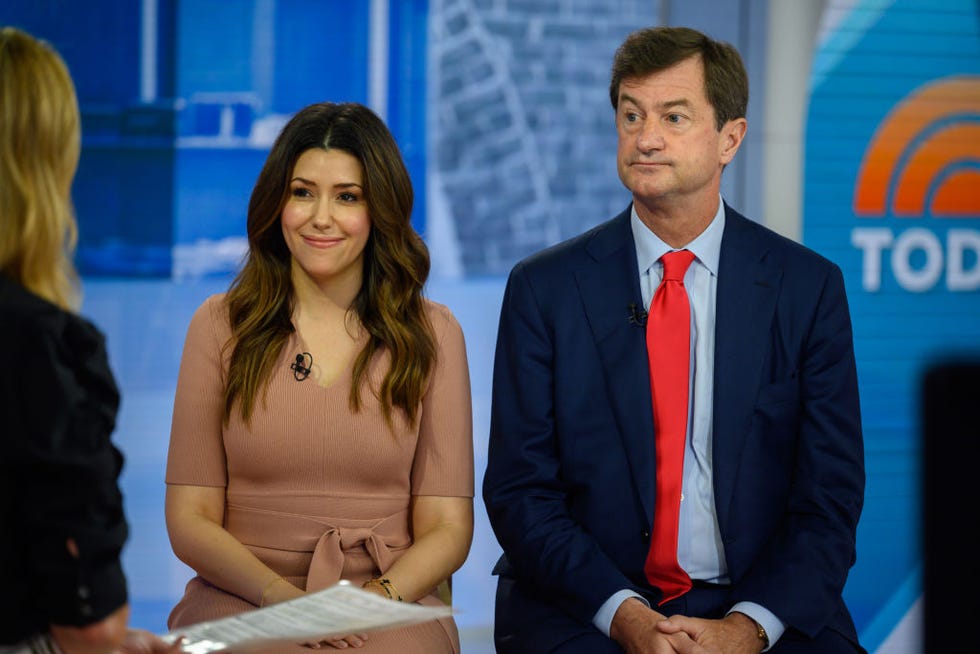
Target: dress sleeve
444,457
64,404
197,456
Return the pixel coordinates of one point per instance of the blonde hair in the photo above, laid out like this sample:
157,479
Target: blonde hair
40,138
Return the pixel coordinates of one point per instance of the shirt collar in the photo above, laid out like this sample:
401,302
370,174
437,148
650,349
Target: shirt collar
706,247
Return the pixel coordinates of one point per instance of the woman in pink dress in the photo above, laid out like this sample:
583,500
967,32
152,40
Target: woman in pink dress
322,426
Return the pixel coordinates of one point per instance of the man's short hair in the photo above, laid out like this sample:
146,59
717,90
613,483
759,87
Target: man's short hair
654,49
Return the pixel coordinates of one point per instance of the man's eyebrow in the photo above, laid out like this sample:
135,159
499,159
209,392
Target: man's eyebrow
626,97
666,104
670,104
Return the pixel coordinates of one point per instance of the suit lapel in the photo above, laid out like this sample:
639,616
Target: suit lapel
608,286
748,286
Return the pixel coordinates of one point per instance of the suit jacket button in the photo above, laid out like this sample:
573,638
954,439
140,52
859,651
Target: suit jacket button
645,535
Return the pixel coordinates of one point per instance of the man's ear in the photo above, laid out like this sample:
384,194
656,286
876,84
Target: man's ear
732,134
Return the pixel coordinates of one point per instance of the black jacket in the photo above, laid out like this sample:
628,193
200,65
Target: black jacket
58,470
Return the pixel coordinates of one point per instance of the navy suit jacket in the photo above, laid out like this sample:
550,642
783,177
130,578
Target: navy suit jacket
569,485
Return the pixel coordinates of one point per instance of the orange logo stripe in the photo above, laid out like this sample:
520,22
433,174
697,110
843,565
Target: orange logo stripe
958,143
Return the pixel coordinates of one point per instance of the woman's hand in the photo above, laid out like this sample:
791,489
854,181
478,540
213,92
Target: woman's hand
354,640
102,637
141,641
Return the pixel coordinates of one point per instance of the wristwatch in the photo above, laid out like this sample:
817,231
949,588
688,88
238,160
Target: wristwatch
763,636
760,631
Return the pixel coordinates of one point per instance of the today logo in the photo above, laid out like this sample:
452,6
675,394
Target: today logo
924,161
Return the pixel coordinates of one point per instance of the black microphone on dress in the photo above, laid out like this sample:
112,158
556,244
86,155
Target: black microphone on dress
301,369
637,316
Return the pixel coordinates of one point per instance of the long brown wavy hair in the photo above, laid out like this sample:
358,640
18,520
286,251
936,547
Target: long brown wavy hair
40,137
389,304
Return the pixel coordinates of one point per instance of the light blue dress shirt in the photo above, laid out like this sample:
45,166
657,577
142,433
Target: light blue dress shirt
699,548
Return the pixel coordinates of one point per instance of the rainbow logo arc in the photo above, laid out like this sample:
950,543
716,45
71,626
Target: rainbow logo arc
924,158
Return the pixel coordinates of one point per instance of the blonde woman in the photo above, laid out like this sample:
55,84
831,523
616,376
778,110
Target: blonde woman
60,507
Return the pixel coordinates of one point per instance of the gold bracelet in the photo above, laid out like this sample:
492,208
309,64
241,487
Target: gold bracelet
266,590
390,589
385,584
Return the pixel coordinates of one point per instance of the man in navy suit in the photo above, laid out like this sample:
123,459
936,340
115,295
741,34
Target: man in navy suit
773,471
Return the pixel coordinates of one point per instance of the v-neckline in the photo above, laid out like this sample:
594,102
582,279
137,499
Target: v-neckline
298,346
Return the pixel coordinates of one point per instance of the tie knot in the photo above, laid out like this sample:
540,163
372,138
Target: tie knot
676,264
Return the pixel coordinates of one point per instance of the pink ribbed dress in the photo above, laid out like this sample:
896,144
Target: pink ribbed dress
317,492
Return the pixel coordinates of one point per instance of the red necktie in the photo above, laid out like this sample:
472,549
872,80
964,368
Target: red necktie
669,352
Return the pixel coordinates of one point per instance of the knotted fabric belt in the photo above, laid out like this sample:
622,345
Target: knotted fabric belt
327,538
